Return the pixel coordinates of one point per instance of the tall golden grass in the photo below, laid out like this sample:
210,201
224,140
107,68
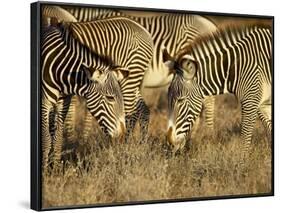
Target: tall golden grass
134,171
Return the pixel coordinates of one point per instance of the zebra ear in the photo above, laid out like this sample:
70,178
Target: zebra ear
93,75
189,66
168,60
121,73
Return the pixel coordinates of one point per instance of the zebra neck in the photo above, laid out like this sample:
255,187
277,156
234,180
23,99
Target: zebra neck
89,58
217,66
76,83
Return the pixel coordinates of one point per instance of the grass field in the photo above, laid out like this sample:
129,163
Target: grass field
147,171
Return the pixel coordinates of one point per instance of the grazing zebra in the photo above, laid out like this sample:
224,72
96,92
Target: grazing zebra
235,59
69,68
172,31
129,45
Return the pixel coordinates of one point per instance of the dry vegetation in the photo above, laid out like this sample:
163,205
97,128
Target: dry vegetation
147,171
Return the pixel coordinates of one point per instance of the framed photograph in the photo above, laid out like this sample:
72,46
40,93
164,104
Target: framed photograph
139,105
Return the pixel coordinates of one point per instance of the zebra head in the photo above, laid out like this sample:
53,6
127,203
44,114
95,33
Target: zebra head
105,101
184,98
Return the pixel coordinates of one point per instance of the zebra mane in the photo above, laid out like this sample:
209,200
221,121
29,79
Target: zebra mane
222,32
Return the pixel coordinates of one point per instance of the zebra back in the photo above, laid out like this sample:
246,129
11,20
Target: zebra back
85,14
241,50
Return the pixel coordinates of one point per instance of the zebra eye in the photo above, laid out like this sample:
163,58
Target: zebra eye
110,98
185,64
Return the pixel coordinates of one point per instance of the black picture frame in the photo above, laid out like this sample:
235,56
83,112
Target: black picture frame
36,189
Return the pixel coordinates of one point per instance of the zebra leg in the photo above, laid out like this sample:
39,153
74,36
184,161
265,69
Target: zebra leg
62,109
249,115
142,114
209,108
209,104
70,120
264,113
144,119
47,107
52,122
131,121
87,125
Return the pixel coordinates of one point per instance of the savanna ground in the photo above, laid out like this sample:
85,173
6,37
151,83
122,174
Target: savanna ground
136,171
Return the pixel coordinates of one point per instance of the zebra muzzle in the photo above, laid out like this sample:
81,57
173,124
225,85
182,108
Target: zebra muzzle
176,142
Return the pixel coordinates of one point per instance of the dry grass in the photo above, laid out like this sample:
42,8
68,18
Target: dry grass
138,171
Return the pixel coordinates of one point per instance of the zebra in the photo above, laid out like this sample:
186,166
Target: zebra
235,59
129,45
69,68
108,37
172,31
